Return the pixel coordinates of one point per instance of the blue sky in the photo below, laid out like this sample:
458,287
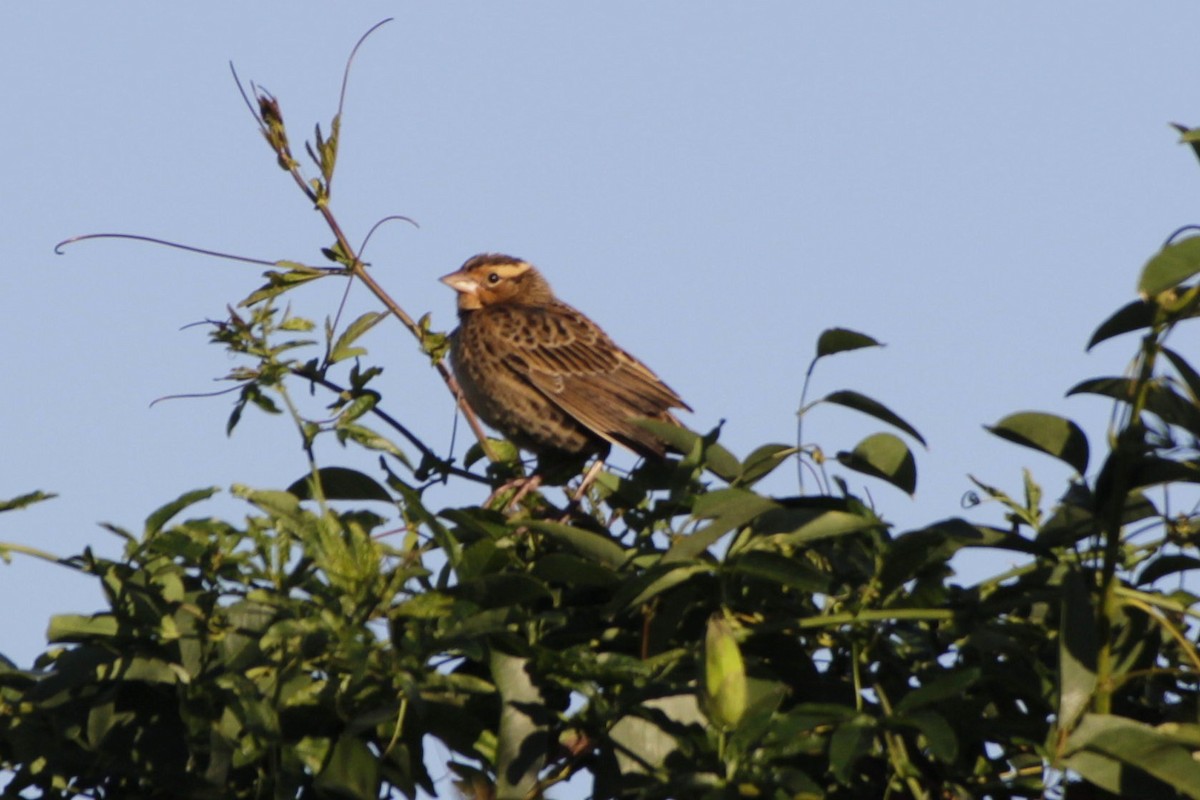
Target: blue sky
977,186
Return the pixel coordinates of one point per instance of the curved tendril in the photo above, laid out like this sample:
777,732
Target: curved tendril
58,248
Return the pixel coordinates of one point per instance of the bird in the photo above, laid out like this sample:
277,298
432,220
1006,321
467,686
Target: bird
545,375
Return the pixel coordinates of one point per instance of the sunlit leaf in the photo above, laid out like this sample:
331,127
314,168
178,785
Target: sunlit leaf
342,348
161,516
724,674
76,627
1170,267
884,456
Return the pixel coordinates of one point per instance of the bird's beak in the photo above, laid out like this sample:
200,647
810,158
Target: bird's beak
460,283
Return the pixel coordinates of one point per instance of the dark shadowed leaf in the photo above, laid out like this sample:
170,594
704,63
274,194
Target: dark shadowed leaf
849,743
883,456
841,340
1116,388
341,483
1134,316
573,571
860,402
1168,564
945,687
1190,376
1173,265
1153,471
1051,434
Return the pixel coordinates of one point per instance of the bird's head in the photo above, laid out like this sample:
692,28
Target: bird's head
491,279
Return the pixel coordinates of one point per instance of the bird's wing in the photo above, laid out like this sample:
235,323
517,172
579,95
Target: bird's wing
570,360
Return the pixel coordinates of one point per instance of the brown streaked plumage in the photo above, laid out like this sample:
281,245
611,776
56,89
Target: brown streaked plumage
541,372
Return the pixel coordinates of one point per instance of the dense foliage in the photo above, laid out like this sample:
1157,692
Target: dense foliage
676,634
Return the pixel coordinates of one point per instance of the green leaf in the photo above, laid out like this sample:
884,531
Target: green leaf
729,509
722,462
1048,433
24,500
939,735
795,527
866,405
1076,651
762,462
521,739
371,440
1189,137
1170,267
1152,750
647,739
342,349
841,340
1167,564
1190,376
573,571
655,581
945,687
593,546
1134,316
280,282
724,674
162,515
778,568
341,483
351,772
883,456
850,742
1117,388
79,628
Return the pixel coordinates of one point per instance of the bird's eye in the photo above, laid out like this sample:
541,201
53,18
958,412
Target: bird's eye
493,278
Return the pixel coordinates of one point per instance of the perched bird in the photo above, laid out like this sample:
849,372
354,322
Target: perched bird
542,373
